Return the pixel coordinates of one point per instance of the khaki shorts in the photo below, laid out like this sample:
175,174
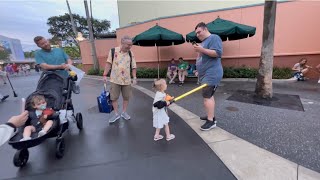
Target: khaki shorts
115,90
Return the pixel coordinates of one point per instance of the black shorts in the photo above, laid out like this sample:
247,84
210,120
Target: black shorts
208,91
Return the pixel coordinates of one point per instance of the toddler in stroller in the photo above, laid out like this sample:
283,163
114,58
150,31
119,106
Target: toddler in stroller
56,91
40,118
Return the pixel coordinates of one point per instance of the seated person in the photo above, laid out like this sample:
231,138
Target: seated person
182,70
172,71
195,72
39,118
300,69
318,68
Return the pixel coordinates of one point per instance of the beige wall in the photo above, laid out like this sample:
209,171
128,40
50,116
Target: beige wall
139,11
103,47
296,35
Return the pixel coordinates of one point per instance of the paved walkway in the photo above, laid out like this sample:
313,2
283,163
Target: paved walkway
276,130
253,142
258,125
124,150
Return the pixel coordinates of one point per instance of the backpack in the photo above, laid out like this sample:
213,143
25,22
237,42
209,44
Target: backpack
112,55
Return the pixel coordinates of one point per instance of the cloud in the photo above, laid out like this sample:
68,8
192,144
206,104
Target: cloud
24,20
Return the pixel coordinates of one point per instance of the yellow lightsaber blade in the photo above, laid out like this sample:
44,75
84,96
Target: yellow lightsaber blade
190,92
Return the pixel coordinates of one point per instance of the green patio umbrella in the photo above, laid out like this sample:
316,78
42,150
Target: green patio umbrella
227,30
158,36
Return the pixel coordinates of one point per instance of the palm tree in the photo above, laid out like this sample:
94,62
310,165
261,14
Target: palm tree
264,77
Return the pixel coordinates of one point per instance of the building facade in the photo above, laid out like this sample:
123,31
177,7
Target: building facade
13,47
296,36
132,12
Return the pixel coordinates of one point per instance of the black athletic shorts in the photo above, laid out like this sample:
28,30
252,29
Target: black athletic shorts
208,91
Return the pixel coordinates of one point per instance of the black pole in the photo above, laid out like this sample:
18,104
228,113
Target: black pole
158,62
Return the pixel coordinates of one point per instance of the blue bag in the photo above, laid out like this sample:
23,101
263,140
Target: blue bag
104,102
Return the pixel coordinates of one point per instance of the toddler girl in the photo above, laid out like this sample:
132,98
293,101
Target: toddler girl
159,109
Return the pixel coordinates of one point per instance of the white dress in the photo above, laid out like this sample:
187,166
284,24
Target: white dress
160,116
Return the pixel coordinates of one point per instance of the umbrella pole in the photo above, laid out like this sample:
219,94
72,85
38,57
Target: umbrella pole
158,62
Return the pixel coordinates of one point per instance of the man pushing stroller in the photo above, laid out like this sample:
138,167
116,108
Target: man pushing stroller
53,59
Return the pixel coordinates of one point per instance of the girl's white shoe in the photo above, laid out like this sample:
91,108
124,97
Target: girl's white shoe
171,136
157,138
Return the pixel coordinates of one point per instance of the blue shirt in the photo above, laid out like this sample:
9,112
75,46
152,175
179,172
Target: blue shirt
54,57
210,68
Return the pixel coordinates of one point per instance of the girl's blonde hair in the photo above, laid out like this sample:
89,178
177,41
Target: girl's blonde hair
157,84
37,98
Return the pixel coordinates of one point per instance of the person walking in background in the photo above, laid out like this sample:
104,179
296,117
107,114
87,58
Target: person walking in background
28,69
318,68
209,70
15,68
3,75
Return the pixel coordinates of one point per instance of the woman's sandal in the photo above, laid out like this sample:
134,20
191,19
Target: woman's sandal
171,136
157,138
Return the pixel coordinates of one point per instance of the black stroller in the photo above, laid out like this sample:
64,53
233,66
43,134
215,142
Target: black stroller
57,91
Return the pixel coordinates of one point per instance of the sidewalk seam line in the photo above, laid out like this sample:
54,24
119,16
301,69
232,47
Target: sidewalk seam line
222,140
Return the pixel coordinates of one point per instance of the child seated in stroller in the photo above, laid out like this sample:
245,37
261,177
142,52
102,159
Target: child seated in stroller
39,118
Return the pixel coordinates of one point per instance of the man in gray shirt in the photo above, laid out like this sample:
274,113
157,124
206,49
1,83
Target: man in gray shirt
210,70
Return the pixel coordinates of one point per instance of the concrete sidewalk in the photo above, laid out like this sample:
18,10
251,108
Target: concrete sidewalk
124,150
245,159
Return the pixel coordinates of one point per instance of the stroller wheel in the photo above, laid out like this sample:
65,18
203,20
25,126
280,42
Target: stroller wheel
79,121
60,146
21,157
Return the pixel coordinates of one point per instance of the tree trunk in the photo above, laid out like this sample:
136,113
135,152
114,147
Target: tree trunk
264,77
74,29
93,47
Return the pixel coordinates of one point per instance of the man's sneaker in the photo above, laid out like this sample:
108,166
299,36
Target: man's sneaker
125,115
204,118
4,97
319,81
114,118
208,125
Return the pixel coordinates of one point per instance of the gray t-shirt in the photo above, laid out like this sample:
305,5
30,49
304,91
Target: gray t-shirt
209,68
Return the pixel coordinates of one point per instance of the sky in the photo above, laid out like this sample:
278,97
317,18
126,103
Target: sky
23,20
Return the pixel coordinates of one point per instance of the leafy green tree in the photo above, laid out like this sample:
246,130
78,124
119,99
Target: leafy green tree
29,54
4,55
60,27
72,51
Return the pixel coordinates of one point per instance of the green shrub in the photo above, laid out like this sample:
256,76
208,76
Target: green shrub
79,66
151,73
228,72
245,72
93,72
281,73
